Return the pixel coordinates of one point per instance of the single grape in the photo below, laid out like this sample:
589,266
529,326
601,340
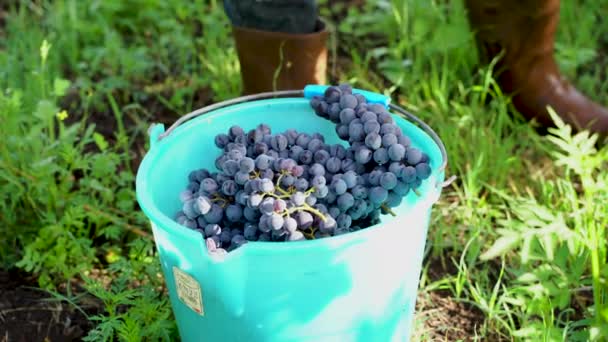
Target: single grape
330,197
334,112
359,192
215,214
347,116
295,151
393,200
306,157
272,153
316,170
342,131
389,139
287,180
303,139
333,164
221,140
246,165
377,108
318,136
403,140
190,223
267,174
355,131
212,230
186,196
401,188
350,178
328,225
298,198
318,181
381,156
290,224
211,244
229,188
241,178
339,186
337,151
201,222
254,200
377,195
193,187
388,180
304,219
389,128
371,127
225,237
348,165
413,156
190,210
321,156
238,241
311,200
423,171
344,221
203,204
374,177
234,212
296,236
348,101
276,221
267,206
235,154
321,192
332,94
279,205
425,158
363,155
266,185
385,118
345,201
396,152
373,141
315,145
235,131
297,171
369,116
264,224
360,98
291,135
250,232
301,184
408,174
279,142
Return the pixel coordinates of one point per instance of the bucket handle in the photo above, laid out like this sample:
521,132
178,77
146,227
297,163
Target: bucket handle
157,132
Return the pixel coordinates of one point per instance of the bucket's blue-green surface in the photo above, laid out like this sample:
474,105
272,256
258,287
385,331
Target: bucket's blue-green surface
359,286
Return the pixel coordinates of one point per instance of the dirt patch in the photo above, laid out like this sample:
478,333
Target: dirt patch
439,317
28,314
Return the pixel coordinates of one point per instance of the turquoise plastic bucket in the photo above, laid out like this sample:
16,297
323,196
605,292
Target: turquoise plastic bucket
359,286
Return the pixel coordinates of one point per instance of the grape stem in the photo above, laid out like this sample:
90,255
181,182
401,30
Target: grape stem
278,186
387,209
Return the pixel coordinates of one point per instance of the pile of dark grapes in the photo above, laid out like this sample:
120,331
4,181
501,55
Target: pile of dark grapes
293,186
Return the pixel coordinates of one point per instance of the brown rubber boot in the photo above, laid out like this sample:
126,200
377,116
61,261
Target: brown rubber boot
525,31
281,61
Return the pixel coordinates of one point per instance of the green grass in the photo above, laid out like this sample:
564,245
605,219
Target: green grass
519,237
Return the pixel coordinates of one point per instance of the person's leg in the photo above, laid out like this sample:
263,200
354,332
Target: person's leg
525,31
281,44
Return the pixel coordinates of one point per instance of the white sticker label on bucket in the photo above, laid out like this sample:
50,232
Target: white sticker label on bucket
188,290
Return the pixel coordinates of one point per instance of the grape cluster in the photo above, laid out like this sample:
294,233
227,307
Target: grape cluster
293,186
384,156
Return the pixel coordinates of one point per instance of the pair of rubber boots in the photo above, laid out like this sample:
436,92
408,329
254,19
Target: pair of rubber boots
523,30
